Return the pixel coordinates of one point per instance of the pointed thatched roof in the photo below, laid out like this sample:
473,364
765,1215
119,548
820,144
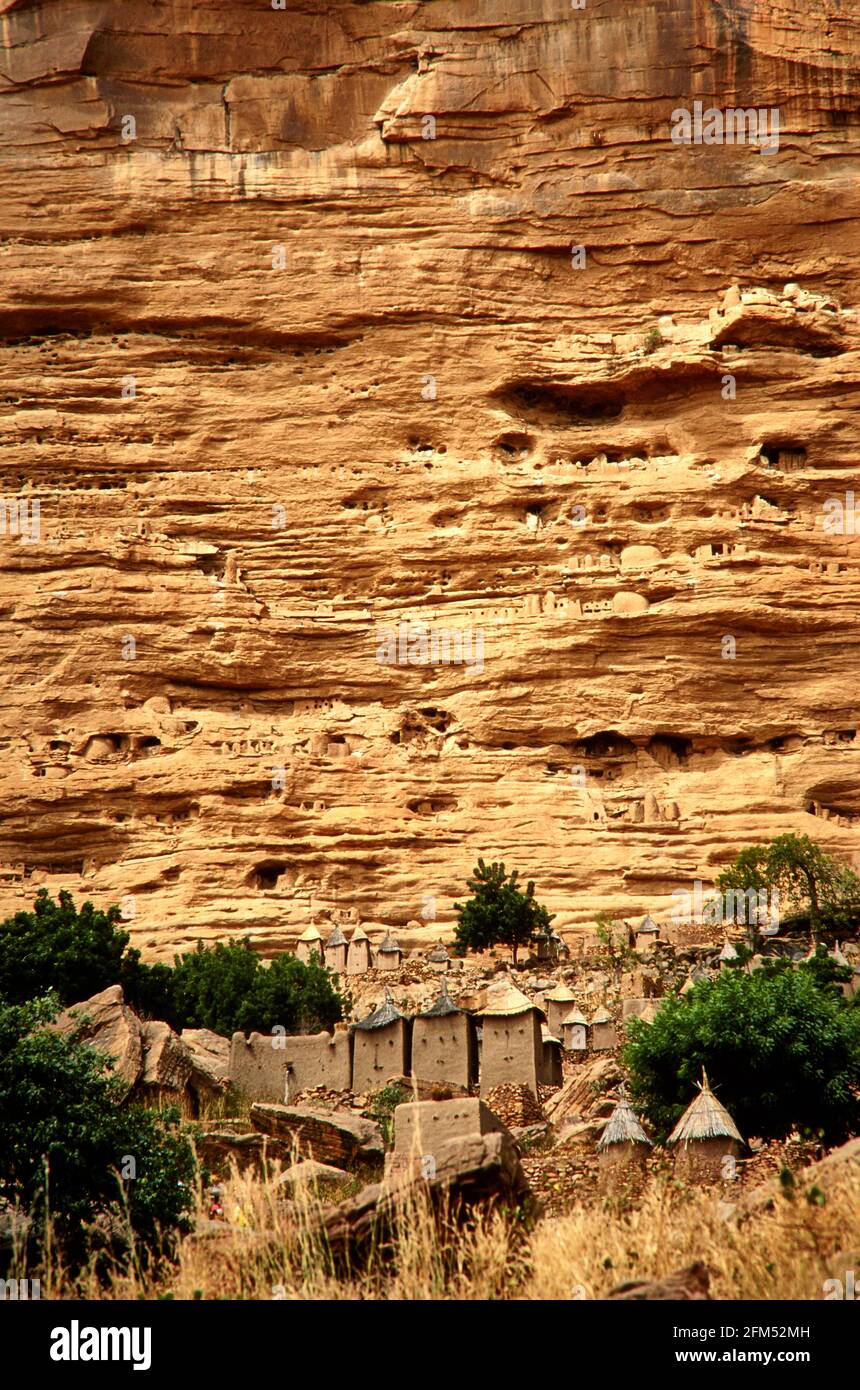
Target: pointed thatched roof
602,1016
728,952
574,1015
388,1012
312,934
704,1118
442,1007
439,954
648,925
622,1126
389,945
504,1000
548,1037
359,935
561,993
337,938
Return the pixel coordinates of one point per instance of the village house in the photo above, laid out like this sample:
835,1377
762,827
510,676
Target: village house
443,1043
336,952
512,1046
603,1033
574,1030
558,1003
309,944
439,959
623,1143
551,1071
647,933
381,1047
706,1135
388,953
358,953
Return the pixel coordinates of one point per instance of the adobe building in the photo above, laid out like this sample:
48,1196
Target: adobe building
439,959
309,945
443,1043
706,1136
623,1143
603,1033
336,951
388,953
647,933
274,1067
558,1002
512,1046
422,1128
551,1072
574,1031
358,953
380,1047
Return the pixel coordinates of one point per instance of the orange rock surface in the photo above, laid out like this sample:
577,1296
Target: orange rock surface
297,348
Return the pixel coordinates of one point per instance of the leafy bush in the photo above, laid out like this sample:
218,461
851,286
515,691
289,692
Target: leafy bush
812,886
498,913
65,1138
76,954
780,1046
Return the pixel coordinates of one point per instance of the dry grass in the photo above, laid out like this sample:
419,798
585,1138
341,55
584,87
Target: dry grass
266,1249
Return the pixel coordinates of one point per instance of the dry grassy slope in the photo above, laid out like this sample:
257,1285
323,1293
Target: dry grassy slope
301,388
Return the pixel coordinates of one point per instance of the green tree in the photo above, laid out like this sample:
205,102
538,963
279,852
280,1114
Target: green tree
55,947
780,1046
810,883
499,913
66,1137
227,988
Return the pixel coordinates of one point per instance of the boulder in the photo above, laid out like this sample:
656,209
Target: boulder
166,1060
220,1149
312,1173
331,1136
686,1285
107,1024
478,1169
209,1056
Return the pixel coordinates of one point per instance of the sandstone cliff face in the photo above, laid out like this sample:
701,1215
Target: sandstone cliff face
284,373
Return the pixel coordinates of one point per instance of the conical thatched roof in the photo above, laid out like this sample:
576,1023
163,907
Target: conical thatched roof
389,944
439,954
359,935
602,1016
337,938
443,1006
728,952
622,1126
574,1015
388,1012
504,1000
648,925
560,994
312,934
704,1118
548,1037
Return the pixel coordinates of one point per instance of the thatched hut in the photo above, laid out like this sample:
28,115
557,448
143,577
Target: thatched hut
574,1030
335,951
705,1135
728,955
557,1002
358,953
309,945
623,1143
381,1047
603,1034
388,953
645,935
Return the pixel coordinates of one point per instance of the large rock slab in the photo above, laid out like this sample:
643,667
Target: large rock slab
476,1169
209,1056
330,1136
166,1059
107,1023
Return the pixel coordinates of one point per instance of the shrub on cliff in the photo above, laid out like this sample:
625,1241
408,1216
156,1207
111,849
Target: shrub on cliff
498,913
227,988
781,1046
66,1140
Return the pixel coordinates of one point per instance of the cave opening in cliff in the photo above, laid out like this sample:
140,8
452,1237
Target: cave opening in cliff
265,876
786,456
